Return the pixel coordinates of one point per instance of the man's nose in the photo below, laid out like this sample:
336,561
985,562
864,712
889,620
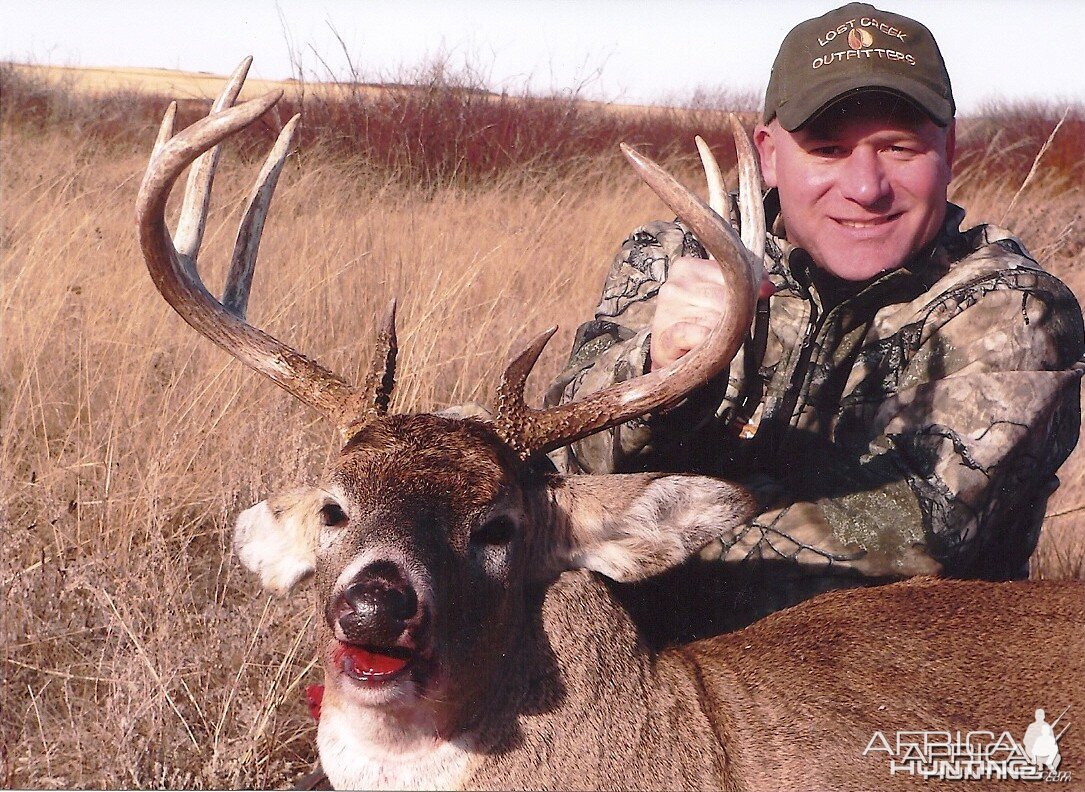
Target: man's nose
863,179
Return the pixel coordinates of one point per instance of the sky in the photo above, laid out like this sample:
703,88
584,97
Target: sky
637,51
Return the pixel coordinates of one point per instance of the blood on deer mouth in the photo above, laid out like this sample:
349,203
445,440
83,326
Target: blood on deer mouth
372,665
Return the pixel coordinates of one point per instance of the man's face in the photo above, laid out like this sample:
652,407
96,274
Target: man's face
863,185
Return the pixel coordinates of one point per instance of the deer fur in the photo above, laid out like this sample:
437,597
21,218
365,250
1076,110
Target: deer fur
544,681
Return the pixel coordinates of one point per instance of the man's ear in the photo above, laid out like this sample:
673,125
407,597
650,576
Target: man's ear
277,538
632,526
766,150
951,146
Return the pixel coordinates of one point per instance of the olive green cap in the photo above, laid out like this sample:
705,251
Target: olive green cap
851,49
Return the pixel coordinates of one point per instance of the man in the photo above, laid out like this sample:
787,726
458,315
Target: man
907,390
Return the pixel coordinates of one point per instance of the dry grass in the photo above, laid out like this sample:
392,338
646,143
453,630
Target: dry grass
154,82
203,86
129,443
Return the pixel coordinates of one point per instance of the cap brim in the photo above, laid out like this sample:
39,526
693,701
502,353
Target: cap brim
800,109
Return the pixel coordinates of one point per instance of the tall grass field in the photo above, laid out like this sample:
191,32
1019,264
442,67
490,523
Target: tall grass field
134,650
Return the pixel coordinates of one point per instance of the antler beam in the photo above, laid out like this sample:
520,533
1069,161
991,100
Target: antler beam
530,431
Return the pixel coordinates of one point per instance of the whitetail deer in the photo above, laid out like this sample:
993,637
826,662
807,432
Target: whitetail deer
460,650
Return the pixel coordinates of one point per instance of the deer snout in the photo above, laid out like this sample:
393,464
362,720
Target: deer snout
377,607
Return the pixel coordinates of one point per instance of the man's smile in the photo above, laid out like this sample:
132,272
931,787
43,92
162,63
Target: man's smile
872,222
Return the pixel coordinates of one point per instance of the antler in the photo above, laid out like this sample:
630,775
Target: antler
174,272
751,206
530,431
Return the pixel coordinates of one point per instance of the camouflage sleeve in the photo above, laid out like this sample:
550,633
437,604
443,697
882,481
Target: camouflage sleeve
952,472
613,347
989,412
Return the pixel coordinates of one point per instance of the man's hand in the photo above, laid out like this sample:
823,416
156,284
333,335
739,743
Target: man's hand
688,306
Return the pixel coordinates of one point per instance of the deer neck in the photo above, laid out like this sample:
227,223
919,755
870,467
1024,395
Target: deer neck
597,709
406,754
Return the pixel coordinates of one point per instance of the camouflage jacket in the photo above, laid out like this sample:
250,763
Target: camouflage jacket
908,424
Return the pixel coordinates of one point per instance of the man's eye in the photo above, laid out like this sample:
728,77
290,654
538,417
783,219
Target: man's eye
332,515
906,148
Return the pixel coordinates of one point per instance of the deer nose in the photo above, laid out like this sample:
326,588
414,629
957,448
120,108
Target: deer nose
375,608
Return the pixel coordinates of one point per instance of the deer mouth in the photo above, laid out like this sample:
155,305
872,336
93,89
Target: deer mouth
372,665
381,674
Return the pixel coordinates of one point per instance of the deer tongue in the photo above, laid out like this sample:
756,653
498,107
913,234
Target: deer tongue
368,664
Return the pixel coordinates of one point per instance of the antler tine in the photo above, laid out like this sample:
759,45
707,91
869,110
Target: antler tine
717,189
235,296
373,400
532,432
165,129
189,234
516,423
749,189
178,280
377,393
751,204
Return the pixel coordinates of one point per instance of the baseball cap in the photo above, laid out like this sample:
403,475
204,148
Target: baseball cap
851,49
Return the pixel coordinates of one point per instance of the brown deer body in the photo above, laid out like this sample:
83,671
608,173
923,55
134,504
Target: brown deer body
469,638
793,701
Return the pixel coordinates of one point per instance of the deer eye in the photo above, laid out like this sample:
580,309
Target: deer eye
498,531
332,515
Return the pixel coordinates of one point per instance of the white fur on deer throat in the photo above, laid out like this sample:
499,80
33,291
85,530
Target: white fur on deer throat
362,752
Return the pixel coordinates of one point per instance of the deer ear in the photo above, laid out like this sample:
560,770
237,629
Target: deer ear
632,526
276,539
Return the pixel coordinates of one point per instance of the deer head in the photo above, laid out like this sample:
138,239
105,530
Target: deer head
434,535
